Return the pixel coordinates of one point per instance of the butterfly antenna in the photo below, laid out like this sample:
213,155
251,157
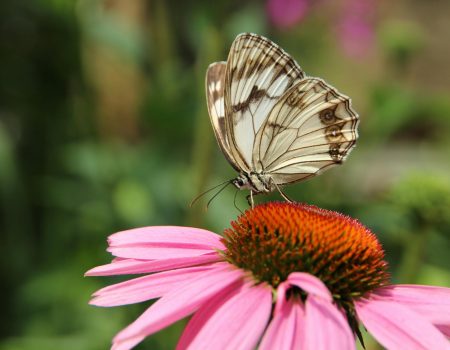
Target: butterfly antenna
208,190
234,201
218,192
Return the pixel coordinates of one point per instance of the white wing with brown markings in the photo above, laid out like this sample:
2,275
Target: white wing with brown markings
215,84
274,125
311,128
258,73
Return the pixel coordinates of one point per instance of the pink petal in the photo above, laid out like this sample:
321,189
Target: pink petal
310,284
281,297
132,266
445,329
146,287
325,326
143,252
127,344
203,315
398,327
299,333
238,323
167,235
433,303
285,332
180,302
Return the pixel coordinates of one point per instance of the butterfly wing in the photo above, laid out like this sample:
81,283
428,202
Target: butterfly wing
215,83
258,73
311,127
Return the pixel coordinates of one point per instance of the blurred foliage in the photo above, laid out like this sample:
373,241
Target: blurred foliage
425,199
103,127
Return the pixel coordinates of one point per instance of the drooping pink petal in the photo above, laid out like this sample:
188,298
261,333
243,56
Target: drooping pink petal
178,235
145,288
310,284
133,266
238,323
325,326
433,303
202,315
142,252
286,13
180,302
299,332
281,296
285,331
398,327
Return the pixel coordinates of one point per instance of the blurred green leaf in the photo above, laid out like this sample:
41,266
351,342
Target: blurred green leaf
133,202
401,39
425,199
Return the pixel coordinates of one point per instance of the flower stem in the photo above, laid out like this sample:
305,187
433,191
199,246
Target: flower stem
202,149
413,256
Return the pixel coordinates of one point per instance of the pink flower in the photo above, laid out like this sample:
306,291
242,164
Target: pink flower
326,271
355,27
353,20
286,13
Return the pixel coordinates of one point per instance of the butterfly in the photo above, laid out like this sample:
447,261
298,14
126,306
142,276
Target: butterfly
275,125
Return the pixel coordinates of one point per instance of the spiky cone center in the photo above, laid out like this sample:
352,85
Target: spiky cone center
272,240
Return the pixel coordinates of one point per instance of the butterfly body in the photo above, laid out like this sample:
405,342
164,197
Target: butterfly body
255,182
274,125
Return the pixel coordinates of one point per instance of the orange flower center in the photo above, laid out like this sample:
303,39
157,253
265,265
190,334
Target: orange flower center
274,239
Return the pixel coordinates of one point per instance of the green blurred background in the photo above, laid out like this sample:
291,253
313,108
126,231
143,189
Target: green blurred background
104,127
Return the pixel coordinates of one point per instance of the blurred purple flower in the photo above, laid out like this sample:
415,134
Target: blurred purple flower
355,20
286,13
355,28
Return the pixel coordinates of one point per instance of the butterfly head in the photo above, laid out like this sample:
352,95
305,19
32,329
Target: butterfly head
242,182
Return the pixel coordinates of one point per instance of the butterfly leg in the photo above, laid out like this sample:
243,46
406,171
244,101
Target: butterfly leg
285,197
250,199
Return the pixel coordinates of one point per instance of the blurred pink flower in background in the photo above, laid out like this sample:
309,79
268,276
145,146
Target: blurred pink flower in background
355,27
326,270
353,20
286,13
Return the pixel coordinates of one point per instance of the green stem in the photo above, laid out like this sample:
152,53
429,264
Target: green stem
163,45
413,256
202,149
